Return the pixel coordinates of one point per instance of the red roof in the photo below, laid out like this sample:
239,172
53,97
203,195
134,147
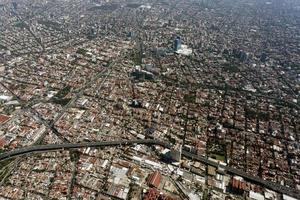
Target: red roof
237,184
2,142
154,179
3,118
154,194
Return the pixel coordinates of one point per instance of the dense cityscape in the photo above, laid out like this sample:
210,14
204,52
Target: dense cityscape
157,99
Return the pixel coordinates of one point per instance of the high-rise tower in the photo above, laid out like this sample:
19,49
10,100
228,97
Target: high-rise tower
177,43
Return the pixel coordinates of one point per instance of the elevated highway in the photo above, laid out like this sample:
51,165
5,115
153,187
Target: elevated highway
69,146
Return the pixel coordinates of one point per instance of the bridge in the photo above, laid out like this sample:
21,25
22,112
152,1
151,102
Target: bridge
69,146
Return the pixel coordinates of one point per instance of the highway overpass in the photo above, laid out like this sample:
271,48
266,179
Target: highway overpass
69,146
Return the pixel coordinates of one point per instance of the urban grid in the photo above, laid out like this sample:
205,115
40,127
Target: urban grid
149,99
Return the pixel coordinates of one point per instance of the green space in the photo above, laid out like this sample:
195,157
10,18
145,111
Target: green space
251,114
62,102
3,47
59,98
3,173
263,116
206,103
142,76
20,25
62,93
295,66
133,5
4,169
231,68
136,58
217,157
190,98
50,24
205,194
81,51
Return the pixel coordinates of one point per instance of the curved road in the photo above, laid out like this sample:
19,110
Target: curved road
54,147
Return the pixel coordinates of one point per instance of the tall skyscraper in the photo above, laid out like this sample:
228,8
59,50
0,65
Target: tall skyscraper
177,43
175,153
